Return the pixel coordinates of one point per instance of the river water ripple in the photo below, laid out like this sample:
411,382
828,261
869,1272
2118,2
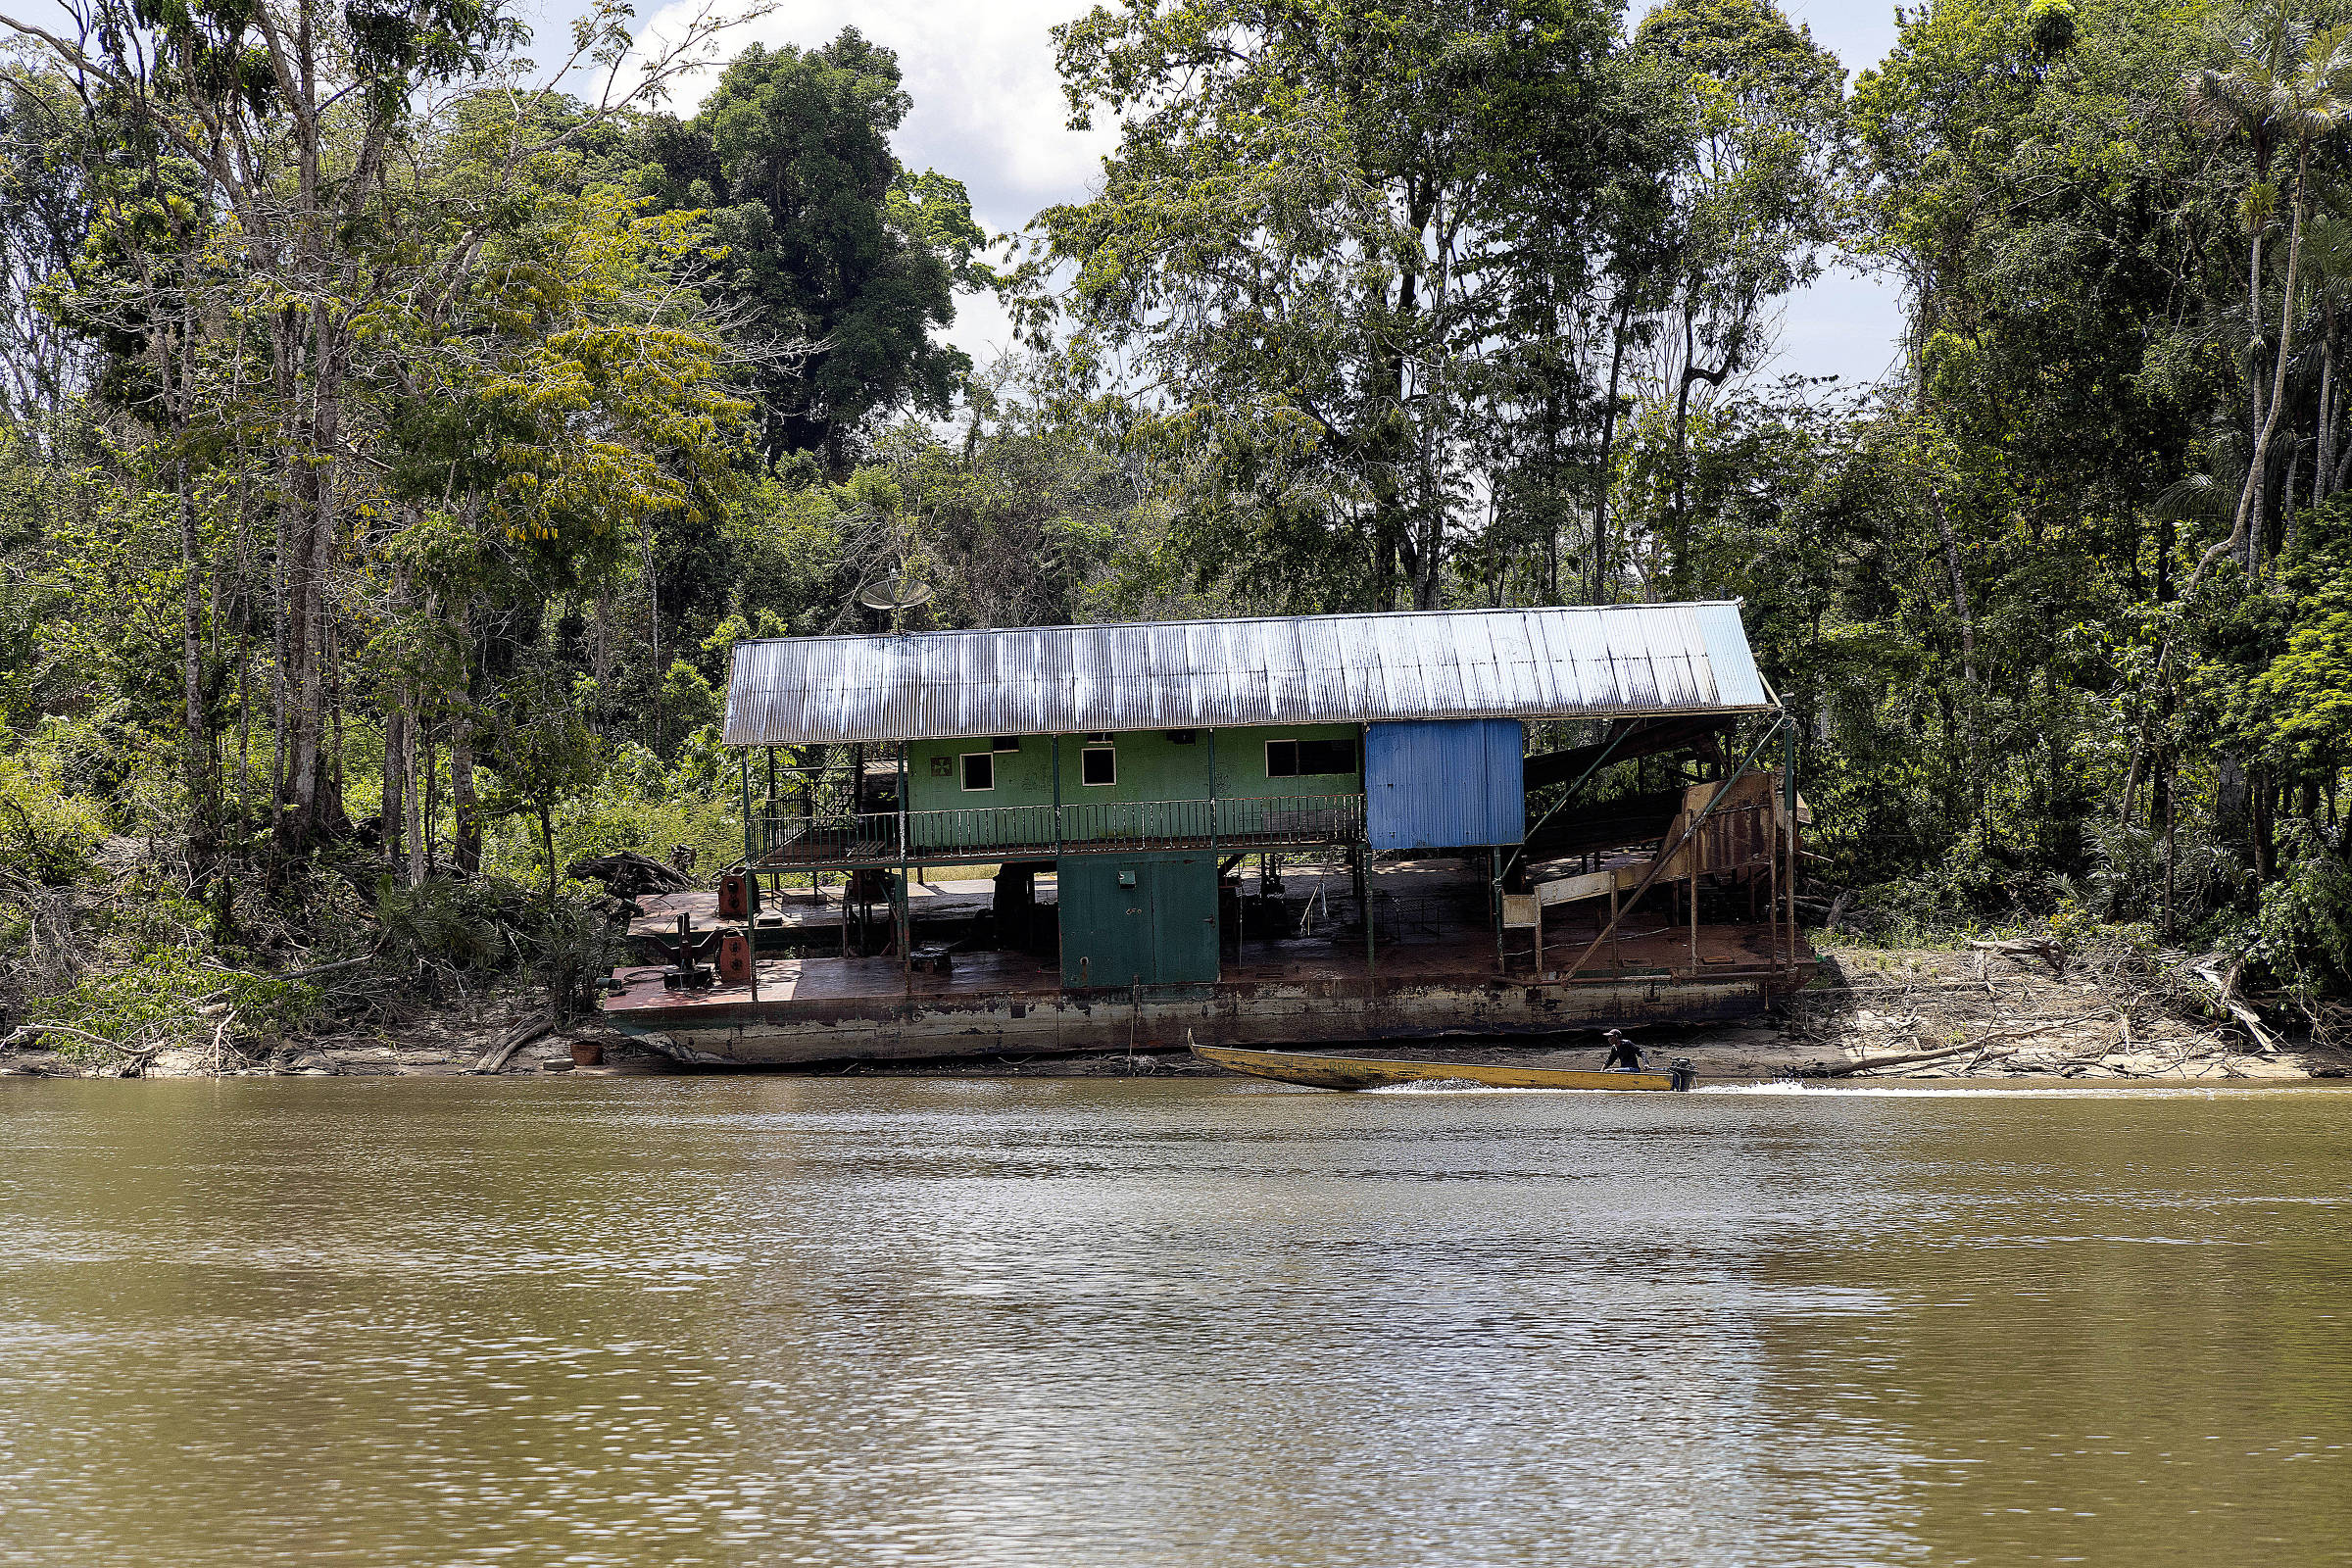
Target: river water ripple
790,1320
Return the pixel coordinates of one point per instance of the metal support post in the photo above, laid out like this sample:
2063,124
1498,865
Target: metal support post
905,900
751,856
1694,905
1788,815
1212,797
1495,902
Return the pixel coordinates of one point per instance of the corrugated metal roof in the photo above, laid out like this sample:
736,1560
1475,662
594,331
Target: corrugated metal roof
1567,662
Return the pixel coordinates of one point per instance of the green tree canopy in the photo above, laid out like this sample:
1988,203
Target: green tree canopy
839,262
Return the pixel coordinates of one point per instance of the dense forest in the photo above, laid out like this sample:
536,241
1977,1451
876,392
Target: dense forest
395,434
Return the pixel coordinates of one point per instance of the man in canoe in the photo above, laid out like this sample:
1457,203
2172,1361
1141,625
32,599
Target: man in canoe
1623,1054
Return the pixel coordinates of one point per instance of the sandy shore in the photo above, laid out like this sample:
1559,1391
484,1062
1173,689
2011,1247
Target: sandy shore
1952,1014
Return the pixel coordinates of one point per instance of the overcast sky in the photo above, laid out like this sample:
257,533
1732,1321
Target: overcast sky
989,111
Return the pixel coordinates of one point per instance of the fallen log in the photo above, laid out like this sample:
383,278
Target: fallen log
1865,1064
522,1034
2225,992
628,875
2043,948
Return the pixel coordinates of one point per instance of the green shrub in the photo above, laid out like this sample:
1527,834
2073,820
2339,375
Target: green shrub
46,834
2303,932
163,993
465,925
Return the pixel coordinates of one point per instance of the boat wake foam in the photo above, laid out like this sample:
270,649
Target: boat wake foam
1463,1086
2106,1089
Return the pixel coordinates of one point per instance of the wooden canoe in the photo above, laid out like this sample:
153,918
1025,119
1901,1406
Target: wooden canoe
1364,1072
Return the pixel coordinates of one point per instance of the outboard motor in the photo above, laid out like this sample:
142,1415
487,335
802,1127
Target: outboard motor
1681,1073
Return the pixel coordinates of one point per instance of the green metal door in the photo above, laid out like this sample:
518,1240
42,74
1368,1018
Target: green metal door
1184,918
1137,919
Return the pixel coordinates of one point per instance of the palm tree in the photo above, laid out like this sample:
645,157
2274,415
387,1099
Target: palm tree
2288,88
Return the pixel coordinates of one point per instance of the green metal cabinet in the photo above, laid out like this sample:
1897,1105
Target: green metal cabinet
1138,919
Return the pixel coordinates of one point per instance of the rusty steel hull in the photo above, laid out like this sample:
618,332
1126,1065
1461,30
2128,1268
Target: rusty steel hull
763,1034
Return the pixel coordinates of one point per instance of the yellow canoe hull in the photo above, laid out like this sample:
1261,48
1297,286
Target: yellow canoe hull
1361,1072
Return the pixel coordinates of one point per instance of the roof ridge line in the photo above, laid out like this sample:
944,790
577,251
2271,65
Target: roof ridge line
1240,620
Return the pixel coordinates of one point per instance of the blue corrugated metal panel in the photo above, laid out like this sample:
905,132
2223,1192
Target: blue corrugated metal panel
1444,783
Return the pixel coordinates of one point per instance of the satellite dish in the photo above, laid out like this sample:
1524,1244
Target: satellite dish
905,595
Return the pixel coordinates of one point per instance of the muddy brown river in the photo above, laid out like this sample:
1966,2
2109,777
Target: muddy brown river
914,1322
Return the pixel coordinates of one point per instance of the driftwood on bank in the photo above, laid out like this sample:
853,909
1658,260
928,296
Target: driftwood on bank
2021,948
1933,1053
522,1034
2225,992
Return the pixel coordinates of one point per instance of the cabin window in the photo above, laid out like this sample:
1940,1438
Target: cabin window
979,770
1181,737
1003,743
1309,759
1097,765
1097,737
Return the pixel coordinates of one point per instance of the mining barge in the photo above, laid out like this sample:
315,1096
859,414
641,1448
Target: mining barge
1266,832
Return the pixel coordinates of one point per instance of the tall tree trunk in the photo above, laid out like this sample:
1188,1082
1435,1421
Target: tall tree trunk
2243,532
197,764
547,845
1608,437
1968,648
197,743
392,820
301,569
2323,476
466,835
1960,609
420,818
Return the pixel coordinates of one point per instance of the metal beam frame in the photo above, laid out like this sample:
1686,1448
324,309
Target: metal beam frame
1666,852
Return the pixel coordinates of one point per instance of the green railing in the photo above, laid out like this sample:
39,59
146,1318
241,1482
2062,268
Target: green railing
1006,832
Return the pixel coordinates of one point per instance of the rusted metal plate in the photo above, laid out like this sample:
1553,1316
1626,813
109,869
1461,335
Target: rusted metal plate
742,1033
1560,661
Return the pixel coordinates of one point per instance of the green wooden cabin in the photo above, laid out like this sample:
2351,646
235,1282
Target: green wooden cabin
1136,759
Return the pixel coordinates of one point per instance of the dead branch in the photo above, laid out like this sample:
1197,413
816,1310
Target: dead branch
2225,992
26,1030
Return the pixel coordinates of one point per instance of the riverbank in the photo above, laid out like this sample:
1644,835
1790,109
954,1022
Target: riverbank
2001,1012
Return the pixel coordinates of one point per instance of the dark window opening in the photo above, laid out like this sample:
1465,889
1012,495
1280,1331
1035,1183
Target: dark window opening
1003,743
1181,737
1309,759
1097,765
1097,737
979,770
1327,756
